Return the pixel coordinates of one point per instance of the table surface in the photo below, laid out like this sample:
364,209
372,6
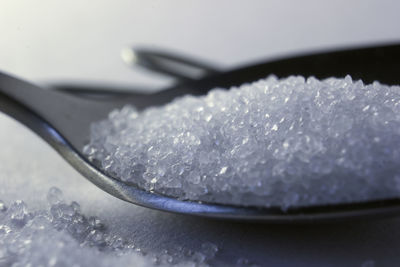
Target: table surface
50,42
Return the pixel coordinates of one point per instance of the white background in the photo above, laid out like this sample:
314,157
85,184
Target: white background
81,40
50,40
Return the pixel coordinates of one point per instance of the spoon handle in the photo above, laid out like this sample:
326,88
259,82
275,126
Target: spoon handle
178,66
97,91
182,68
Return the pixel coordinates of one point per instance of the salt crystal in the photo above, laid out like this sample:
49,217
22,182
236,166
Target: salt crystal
35,239
3,207
275,142
76,207
95,222
54,196
18,211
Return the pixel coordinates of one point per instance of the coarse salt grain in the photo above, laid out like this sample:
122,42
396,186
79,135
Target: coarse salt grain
274,142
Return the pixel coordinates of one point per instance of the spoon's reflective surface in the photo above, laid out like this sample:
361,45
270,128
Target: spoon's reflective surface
179,67
63,121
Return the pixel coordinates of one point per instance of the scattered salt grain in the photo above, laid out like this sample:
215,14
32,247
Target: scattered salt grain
3,207
63,236
275,142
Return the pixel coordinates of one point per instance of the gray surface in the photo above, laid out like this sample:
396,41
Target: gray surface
75,40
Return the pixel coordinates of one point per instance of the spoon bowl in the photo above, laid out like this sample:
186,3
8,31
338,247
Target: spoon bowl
63,120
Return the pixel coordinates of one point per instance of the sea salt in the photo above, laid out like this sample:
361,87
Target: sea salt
62,236
274,142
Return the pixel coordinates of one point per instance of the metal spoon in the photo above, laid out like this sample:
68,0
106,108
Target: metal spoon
63,121
180,67
176,66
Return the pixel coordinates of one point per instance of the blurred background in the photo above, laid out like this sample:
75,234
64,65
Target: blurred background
51,41
82,40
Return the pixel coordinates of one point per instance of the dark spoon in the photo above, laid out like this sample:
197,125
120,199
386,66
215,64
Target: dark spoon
180,67
63,121
166,63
